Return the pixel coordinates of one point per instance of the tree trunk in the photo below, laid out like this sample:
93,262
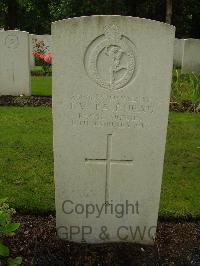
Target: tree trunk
11,15
168,11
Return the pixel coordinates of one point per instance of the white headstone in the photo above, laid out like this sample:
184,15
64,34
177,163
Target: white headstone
111,89
178,51
31,50
191,56
14,63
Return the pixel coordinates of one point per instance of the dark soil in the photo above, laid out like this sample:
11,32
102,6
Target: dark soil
185,106
36,241
21,101
34,101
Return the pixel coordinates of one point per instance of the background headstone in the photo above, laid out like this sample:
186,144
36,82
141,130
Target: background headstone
111,89
31,43
191,56
178,51
14,63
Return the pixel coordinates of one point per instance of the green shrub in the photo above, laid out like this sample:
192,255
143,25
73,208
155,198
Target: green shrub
41,48
45,66
185,86
7,228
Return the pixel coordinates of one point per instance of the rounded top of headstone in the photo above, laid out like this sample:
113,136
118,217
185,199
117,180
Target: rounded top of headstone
43,35
15,31
100,18
193,39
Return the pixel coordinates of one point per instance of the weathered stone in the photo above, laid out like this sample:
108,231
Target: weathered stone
31,50
191,56
178,51
111,88
14,63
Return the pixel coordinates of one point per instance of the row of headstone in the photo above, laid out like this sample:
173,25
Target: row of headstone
15,53
187,55
110,113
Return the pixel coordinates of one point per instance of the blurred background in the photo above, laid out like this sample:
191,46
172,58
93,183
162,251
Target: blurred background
36,16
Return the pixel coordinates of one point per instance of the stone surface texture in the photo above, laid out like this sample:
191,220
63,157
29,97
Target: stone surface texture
191,56
31,50
178,51
111,88
14,63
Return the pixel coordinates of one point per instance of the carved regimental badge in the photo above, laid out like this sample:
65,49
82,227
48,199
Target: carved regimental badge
12,41
110,59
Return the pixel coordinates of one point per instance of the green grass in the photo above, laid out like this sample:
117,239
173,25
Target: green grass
37,68
26,158
26,162
41,86
180,195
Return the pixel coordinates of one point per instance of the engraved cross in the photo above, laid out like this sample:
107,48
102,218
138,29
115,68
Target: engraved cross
108,161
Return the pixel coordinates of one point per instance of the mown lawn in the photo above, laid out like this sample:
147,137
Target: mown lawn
26,158
26,162
41,86
181,179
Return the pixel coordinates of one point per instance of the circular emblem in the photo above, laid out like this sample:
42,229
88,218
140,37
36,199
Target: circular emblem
110,59
12,41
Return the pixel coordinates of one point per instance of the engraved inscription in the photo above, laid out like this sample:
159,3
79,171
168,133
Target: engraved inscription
110,59
109,111
108,161
12,41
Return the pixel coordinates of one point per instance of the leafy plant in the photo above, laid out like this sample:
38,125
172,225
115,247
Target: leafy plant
46,67
7,228
195,85
41,50
185,87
